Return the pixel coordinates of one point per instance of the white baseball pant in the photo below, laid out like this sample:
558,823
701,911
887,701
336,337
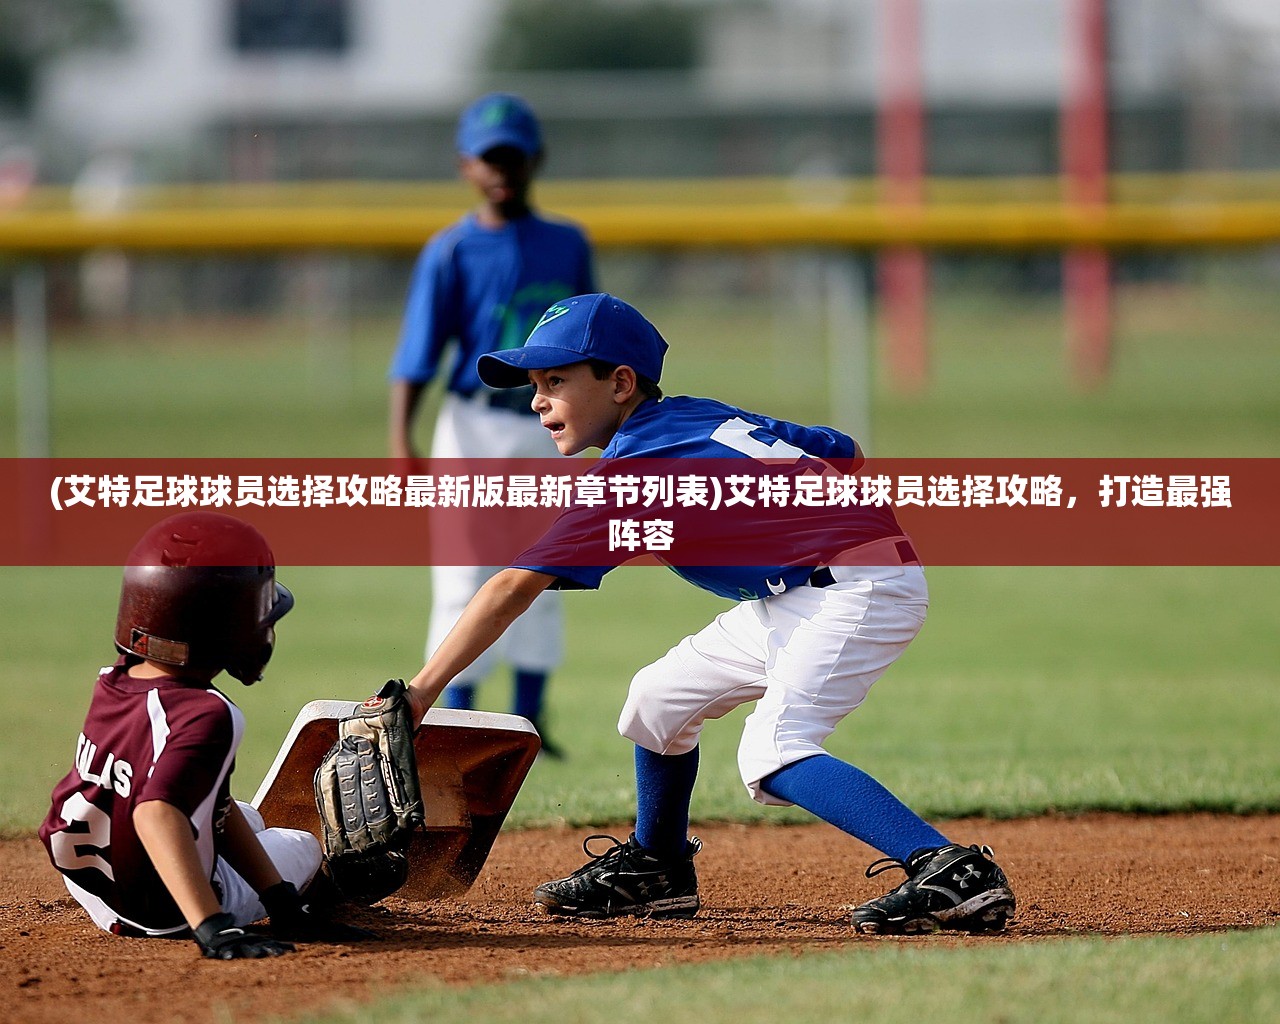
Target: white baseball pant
807,657
294,852
469,429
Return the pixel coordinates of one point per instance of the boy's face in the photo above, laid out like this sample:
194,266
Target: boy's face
580,411
502,175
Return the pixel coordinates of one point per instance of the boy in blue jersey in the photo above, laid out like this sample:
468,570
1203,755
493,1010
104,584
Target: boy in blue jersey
805,642
479,286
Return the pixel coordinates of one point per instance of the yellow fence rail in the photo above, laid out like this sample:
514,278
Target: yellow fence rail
1013,213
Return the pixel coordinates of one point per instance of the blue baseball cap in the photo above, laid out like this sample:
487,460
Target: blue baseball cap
498,119
597,326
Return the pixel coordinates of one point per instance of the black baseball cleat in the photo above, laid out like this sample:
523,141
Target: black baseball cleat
624,880
953,886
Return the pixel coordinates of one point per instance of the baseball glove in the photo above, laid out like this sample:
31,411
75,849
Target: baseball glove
369,799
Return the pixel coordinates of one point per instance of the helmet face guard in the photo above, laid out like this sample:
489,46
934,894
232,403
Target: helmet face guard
200,592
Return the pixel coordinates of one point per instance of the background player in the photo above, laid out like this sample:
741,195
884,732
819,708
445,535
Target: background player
481,285
143,827
805,642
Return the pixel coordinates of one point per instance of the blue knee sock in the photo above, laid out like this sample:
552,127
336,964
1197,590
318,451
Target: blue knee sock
664,787
528,694
459,696
855,803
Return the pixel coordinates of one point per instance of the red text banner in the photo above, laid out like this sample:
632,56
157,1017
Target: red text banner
679,511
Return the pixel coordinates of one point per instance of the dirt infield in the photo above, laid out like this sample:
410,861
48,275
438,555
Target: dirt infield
765,890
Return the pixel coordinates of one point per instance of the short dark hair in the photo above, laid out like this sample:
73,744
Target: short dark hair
601,369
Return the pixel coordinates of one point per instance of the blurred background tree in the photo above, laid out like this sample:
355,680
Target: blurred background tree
33,32
595,35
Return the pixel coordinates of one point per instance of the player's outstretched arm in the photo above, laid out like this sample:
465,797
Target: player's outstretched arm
165,833
495,606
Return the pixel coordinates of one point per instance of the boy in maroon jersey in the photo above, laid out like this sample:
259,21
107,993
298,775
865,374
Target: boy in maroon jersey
143,827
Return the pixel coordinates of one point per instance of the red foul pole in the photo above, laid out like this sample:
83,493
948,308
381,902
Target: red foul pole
900,149
1086,273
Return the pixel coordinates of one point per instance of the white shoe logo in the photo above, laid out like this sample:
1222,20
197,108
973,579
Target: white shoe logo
963,879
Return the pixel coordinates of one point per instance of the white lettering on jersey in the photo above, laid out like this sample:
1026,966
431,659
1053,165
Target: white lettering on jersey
114,774
88,831
122,782
736,434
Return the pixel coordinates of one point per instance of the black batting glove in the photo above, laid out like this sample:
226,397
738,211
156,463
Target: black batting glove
220,939
293,917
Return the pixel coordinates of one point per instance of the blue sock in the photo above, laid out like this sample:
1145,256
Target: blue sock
855,803
664,787
459,696
528,695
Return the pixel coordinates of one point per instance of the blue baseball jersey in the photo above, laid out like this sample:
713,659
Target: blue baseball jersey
484,288
701,428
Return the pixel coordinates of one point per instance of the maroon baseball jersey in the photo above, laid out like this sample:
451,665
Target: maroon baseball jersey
143,739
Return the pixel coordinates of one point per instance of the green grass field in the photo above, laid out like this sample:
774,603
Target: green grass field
1029,689
1208,979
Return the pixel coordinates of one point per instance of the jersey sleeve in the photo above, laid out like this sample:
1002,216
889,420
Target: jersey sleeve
572,577
195,753
430,318
820,442
572,538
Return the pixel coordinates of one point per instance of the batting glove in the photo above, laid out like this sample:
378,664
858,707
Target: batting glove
220,939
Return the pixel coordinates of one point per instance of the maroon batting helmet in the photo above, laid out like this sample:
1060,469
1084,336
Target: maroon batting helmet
200,592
